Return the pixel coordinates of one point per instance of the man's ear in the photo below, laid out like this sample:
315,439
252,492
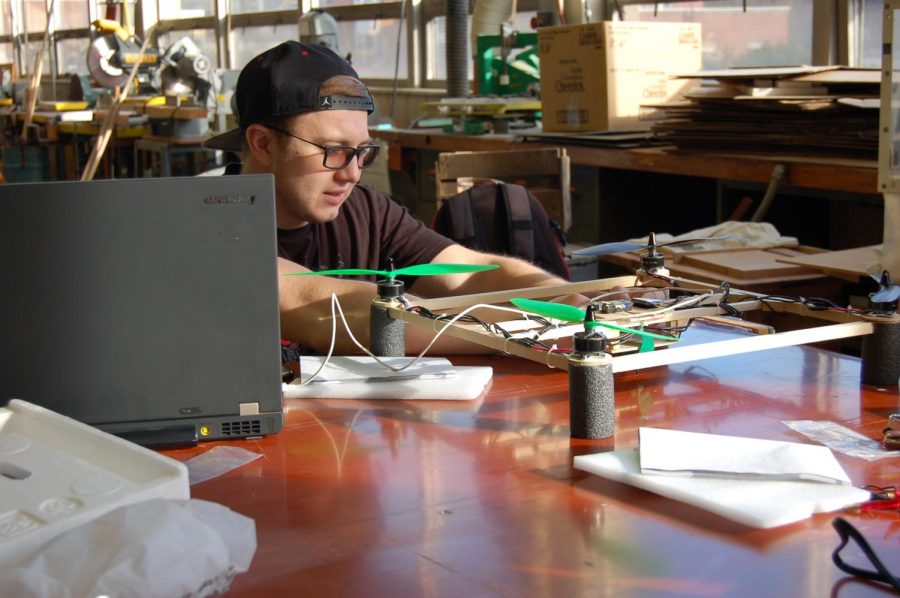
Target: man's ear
259,144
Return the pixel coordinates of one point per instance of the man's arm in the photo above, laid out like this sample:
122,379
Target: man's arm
305,307
512,274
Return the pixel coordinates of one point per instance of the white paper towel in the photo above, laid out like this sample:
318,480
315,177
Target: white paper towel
674,452
761,504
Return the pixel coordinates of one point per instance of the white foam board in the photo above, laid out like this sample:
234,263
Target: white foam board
467,384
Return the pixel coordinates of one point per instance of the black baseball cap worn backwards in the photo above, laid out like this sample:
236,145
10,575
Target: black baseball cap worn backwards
285,80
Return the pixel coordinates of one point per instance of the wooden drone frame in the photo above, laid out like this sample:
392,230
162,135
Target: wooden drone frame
839,324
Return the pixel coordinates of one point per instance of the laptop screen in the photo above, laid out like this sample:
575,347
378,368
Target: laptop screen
141,300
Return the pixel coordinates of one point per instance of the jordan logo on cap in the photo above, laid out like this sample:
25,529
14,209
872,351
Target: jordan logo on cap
326,102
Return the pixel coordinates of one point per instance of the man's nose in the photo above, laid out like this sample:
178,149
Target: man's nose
351,172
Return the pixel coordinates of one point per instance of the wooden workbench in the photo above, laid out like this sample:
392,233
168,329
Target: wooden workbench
816,176
856,176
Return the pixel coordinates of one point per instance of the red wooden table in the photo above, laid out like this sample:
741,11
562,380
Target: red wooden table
393,498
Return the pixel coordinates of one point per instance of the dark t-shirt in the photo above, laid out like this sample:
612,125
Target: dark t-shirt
369,229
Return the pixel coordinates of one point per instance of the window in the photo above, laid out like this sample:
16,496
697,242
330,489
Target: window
247,42
249,6
35,15
33,49
769,33
185,9
5,20
372,46
325,4
436,34
72,56
867,50
71,14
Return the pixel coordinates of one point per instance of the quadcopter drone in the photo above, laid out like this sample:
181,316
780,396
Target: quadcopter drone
612,336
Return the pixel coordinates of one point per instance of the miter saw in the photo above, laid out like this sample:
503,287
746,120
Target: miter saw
114,52
185,70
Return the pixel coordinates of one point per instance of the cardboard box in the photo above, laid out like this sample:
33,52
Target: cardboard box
596,76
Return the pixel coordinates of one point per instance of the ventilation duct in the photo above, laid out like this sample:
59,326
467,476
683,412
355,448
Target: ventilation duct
457,55
488,16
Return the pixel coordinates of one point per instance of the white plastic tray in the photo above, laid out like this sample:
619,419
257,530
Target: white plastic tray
57,473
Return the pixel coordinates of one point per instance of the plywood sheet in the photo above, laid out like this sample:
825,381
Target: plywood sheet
749,263
744,268
848,263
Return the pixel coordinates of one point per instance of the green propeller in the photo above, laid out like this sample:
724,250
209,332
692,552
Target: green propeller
417,270
570,313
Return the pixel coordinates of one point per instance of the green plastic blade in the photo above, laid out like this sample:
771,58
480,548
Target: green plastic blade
344,271
641,333
559,311
435,269
570,313
417,270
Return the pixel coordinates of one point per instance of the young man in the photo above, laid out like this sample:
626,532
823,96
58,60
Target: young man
303,117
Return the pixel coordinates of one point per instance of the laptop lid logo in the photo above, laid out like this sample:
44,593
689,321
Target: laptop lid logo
229,199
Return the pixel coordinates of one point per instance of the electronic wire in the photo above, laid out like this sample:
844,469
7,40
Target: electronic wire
535,341
336,310
812,303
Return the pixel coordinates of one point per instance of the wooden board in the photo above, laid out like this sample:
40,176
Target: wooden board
177,140
747,263
177,112
844,76
742,74
746,268
849,264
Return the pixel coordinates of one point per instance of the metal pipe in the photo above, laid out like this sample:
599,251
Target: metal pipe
777,176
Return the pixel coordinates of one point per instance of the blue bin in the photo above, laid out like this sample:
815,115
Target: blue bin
26,163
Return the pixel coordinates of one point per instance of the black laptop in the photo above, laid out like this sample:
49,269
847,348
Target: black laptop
146,307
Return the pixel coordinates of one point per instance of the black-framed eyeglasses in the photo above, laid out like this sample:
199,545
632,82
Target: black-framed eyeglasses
338,157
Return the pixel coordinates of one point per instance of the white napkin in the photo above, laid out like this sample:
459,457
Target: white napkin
672,452
755,503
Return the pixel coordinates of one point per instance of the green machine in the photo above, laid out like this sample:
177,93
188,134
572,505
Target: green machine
507,74
499,72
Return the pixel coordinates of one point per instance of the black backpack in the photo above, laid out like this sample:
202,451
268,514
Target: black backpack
504,218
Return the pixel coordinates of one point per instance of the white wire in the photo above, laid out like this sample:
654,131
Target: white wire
315,374
681,303
337,310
